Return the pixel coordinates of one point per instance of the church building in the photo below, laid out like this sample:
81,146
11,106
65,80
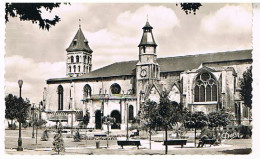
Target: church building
204,82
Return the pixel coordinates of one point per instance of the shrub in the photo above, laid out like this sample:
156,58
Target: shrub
25,124
45,136
58,142
245,131
76,136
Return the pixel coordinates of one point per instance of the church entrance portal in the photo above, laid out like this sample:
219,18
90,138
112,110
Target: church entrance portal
98,119
117,116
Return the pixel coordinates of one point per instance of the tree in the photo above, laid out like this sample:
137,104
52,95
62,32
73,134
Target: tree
32,12
219,118
58,142
38,123
190,7
246,87
107,120
168,114
14,105
148,117
196,120
11,110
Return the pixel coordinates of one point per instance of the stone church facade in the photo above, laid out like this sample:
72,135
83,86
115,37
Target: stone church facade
205,82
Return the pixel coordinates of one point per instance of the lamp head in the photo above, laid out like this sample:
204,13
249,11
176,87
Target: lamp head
20,83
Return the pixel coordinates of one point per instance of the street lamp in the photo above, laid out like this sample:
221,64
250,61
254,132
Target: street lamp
20,83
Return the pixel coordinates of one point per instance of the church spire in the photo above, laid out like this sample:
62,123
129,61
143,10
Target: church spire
147,38
79,43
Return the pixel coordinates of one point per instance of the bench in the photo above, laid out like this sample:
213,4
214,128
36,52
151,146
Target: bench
176,142
100,136
129,143
206,141
134,134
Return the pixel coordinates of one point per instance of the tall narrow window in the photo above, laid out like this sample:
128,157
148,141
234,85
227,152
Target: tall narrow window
72,59
69,69
205,89
196,95
79,68
131,113
84,59
87,91
77,59
214,92
208,93
60,97
74,68
202,93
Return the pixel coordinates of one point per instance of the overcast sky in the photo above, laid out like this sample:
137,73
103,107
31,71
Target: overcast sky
114,32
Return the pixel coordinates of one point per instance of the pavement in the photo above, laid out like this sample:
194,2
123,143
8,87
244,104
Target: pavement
88,147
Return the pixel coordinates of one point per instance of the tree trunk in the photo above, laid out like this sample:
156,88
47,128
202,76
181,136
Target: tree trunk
36,134
150,139
166,139
195,137
216,135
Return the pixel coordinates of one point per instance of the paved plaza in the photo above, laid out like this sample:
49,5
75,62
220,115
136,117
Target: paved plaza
88,147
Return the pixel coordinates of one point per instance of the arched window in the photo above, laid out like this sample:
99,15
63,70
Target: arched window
196,95
60,97
205,88
84,69
115,88
74,68
69,69
77,59
131,113
79,68
85,59
87,91
72,59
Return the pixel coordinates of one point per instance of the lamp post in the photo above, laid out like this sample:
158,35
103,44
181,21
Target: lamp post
127,118
33,118
20,83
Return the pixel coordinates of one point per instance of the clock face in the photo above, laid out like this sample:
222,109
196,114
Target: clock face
143,73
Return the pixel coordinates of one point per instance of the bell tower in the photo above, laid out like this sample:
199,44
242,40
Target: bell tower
147,67
79,56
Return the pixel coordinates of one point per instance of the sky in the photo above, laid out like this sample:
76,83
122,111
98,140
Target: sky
114,31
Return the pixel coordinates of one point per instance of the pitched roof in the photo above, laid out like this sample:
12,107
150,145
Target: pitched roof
168,64
79,43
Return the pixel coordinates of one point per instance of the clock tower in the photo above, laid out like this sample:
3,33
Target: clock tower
147,68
